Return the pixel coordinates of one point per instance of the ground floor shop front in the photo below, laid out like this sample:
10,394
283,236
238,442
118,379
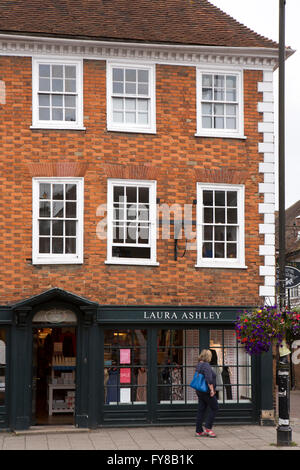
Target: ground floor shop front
66,360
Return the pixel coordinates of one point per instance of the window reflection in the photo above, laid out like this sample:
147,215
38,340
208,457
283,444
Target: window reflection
232,366
177,356
125,367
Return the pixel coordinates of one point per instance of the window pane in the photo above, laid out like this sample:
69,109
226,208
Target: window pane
70,246
70,227
219,123
219,109
232,198
70,115
131,193
231,234
57,227
142,89
142,118
232,216
231,250
44,84
230,81
207,94
118,193
57,245
57,114
70,101
130,118
208,216
70,71
44,70
44,100
44,114
118,75
44,245
57,101
130,88
118,104
71,210
220,198
220,233
230,123
57,85
57,71
207,232
207,250
143,76
131,252
208,198
45,191
118,117
130,75
219,250
58,191
207,80
44,227
58,209
219,81
44,209
118,87
71,192
207,122
70,86
144,195
207,108
219,216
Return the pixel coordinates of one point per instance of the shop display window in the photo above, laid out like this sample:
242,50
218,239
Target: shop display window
125,367
232,366
177,356
2,365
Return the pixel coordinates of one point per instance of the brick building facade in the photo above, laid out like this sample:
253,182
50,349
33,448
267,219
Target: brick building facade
182,150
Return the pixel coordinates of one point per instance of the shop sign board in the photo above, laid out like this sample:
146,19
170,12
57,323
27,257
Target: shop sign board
163,314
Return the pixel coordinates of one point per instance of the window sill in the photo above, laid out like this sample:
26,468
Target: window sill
136,130
221,266
133,262
56,261
59,128
221,136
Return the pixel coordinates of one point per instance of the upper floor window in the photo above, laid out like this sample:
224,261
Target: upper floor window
131,222
219,104
220,225
57,94
130,98
57,235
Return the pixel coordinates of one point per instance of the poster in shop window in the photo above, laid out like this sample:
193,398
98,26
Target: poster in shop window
125,377
124,356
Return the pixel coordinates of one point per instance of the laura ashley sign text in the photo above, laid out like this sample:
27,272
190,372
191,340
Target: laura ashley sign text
165,315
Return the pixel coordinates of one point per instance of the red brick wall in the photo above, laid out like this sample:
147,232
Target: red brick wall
174,156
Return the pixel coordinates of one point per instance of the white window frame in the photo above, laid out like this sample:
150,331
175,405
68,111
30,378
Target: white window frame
52,124
150,128
239,261
229,133
45,258
152,218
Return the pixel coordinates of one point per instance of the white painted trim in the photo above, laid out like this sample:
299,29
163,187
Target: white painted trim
111,126
49,258
239,262
151,184
69,125
222,133
252,58
267,188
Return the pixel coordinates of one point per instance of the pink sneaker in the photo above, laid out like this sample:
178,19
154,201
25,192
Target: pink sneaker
210,433
201,434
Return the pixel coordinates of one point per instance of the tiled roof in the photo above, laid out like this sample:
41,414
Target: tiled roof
193,22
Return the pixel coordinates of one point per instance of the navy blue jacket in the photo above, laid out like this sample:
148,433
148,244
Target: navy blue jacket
209,374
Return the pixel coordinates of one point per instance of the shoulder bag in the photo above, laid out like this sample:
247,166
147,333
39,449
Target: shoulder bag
199,382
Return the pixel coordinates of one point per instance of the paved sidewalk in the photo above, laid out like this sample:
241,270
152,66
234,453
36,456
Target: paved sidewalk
149,438
177,438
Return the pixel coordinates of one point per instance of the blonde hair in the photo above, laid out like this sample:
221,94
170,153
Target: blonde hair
205,355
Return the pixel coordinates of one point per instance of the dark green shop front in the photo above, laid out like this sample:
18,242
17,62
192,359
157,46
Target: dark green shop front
132,365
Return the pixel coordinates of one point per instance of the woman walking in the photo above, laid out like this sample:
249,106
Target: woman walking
207,401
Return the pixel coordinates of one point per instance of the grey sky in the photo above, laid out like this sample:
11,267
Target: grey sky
263,17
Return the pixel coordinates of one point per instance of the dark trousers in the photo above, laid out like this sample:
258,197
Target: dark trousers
209,404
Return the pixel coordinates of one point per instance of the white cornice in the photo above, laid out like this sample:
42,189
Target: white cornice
251,58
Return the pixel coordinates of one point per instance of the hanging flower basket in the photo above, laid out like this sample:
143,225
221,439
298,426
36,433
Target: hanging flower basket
257,330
